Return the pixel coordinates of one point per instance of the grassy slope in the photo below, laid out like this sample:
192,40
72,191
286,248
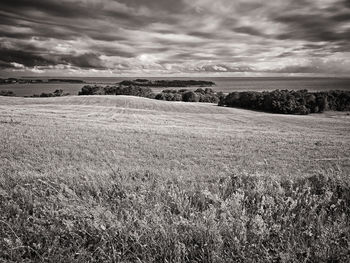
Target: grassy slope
126,178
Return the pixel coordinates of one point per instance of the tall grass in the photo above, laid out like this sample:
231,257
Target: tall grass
140,218
82,183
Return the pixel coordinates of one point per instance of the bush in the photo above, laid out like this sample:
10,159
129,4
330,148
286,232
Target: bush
200,91
56,93
190,96
8,93
135,91
208,98
160,96
90,90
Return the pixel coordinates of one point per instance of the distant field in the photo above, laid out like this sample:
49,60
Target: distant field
115,178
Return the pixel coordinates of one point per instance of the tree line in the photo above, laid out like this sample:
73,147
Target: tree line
278,101
199,95
289,101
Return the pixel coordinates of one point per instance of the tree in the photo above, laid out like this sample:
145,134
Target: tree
190,96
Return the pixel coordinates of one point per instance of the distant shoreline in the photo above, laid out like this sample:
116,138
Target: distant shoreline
39,80
225,85
183,77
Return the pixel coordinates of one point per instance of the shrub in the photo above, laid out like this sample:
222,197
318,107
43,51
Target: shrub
210,98
160,96
177,97
190,96
208,91
8,93
135,91
56,93
200,91
90,90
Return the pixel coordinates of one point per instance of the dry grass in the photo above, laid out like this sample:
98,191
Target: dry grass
117,178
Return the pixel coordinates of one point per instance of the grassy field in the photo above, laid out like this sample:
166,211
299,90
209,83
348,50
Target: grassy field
128,179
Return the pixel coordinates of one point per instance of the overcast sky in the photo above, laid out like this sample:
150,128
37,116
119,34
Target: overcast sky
174,37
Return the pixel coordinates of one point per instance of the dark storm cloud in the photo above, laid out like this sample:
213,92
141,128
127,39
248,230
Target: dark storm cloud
28,27
5,65
346,3
30,56
89,60
341,17
26,58
53,8
167,36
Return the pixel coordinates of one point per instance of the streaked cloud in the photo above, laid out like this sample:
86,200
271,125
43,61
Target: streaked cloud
166,37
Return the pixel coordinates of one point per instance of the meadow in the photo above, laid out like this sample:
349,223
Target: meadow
131,179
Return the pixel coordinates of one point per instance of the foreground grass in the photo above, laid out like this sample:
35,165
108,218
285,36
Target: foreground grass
129,179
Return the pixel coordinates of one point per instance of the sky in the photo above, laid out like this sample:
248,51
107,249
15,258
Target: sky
174,38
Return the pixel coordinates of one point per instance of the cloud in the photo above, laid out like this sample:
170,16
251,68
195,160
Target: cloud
315,27
174,37
88,60
59,8
27,58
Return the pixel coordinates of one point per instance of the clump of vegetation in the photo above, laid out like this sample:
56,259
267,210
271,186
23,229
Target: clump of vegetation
56,93
289,102
8,93
117,90
91,90
199,95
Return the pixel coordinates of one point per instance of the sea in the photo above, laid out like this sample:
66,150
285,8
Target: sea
224,84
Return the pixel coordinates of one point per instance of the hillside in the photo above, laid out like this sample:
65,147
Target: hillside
118,178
